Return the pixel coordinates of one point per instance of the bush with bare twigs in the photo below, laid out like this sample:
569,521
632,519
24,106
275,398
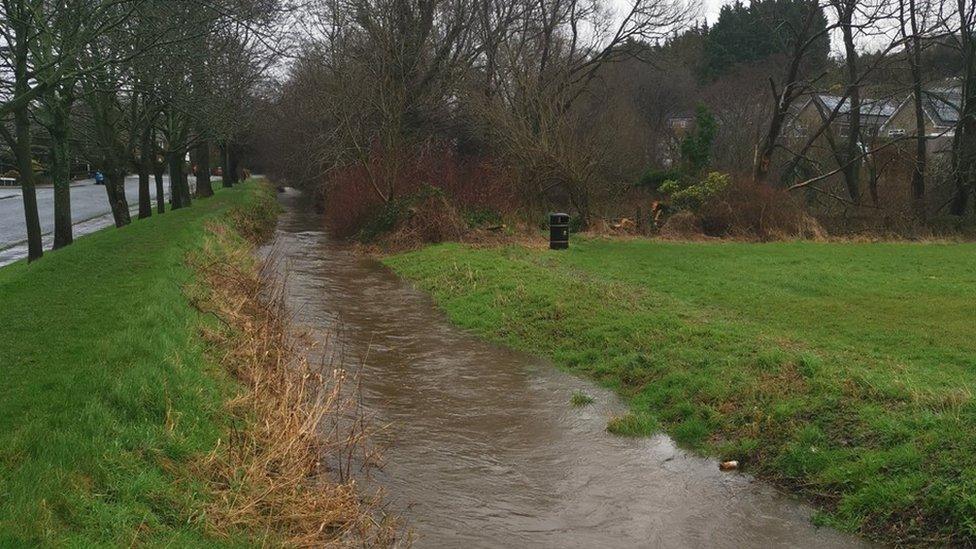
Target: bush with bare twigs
681,226
429,218
353,208
748,210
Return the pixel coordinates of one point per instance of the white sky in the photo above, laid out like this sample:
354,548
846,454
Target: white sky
711,8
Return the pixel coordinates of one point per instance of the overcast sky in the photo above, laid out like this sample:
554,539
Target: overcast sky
711,9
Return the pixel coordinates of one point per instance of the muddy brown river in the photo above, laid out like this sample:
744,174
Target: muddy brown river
483,448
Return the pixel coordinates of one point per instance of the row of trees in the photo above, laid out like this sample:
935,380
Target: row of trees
515,80
575,97
129,86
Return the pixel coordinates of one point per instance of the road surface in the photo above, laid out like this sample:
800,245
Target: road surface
89,212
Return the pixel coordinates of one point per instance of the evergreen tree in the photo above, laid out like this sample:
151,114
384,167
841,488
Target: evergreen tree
758,31
696,147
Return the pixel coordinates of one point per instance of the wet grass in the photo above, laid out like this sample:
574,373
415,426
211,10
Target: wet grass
580,399
633,424
843,371
107,394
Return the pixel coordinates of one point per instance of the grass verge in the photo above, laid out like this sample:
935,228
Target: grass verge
843,371
121,425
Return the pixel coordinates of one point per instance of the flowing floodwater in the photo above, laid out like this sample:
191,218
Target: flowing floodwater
483,446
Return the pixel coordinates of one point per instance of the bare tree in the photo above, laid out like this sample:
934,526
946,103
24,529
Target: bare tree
964,146
20,22
795,83
547,64
912,36
850,157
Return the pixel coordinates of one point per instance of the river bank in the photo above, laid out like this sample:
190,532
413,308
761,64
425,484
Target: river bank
140,384
842,372
483,445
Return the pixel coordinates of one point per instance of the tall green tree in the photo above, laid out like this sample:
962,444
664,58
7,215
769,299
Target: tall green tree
761,30
696,147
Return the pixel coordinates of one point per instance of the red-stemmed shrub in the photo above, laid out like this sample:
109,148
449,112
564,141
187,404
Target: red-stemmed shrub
354,206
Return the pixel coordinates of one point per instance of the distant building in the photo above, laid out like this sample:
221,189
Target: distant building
681,124
811,116
941,107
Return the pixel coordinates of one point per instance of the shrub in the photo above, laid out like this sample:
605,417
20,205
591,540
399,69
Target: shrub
693,196
696,155
381,222
682,225
425,218
350,204
653,179
471,184
744,208
696,147
480,217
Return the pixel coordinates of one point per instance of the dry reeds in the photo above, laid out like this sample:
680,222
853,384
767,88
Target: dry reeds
283,474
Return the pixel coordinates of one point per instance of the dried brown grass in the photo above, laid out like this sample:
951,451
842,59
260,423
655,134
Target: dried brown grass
284,472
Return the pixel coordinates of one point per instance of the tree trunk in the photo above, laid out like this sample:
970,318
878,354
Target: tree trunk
784,99
225,159
158,169
145,197
175,183
852,146
115,188
914,55
22,144
184,180
61,176
144,167
204,186
25,168
964,146
921,150
873,183
234,167
185,186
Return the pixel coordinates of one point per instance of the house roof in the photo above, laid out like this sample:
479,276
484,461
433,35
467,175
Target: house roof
881,108
943,105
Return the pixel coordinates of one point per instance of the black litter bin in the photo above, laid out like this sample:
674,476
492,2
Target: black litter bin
558,231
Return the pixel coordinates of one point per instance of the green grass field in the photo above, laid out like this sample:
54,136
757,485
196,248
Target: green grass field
843,371
105,392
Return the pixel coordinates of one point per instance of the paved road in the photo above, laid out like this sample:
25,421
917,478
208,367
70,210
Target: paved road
89,211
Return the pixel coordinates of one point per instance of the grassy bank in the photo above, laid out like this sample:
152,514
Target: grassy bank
844,371
115,410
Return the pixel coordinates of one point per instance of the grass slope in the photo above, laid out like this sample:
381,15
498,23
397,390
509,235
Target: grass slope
845,371
105,392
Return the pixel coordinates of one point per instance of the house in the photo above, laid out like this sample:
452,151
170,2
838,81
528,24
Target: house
681,124
941,107
811,116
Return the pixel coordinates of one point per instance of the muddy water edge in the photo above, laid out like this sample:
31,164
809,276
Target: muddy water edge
483,448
